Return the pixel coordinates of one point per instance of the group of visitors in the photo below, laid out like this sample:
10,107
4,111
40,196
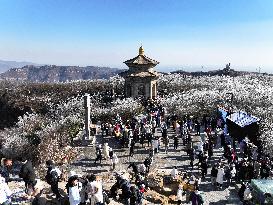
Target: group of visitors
80,190
240,161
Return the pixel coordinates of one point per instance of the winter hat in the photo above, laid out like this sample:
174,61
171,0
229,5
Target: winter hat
49,163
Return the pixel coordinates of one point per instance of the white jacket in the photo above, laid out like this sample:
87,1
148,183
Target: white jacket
5,192
174,173
115,159
74,195
220,176
106,150
97,195
247,194
179,195
155,143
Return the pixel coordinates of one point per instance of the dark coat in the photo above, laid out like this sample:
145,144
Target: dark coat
27,173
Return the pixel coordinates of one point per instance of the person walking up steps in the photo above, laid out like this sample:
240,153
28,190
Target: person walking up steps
114,161
166,142
175,142
99,155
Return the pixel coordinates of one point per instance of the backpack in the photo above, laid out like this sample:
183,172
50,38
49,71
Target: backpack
53,176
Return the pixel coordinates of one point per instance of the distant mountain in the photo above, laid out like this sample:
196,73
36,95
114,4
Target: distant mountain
226,71
6,65
53,73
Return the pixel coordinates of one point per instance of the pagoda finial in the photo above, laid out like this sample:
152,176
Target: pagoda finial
141,51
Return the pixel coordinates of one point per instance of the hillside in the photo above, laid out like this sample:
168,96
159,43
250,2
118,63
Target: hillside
6,65
53,73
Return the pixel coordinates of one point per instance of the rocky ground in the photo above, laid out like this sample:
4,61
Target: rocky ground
162,162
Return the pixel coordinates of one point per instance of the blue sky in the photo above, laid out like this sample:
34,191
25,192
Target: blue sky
178,33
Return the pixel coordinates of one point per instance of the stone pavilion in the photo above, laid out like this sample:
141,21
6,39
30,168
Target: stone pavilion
141,78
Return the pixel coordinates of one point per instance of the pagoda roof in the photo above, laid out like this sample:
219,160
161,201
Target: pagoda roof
141,60
143,74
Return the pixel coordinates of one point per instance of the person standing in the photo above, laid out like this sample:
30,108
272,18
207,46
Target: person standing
74,191
155,145
204,168
148,132
198,127
175,142
147,163
99,154
52,177
214,172
114,161
228,175
166,141
132,147
264,170
134,195
220,176
111,152
134,168
96,191
196,198
179,195
247,196
106,151
192,156
27,173
5,192
174,172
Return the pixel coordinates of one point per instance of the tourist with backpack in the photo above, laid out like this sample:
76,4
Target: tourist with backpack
53,176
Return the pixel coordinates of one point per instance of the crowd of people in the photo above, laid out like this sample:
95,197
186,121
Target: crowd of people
240,163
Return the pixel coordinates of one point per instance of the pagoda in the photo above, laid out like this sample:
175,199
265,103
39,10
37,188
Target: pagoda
141,78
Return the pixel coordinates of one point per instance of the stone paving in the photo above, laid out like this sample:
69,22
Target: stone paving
212,196
162,161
